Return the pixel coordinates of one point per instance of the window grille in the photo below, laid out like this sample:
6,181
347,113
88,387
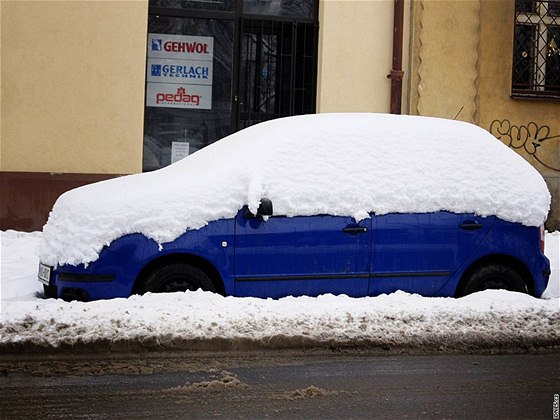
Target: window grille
536,54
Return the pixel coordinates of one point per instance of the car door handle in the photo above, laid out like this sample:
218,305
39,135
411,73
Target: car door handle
355,229
470,226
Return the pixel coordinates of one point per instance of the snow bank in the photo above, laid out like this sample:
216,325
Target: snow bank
19,266
490,319
552,251
341,164
398,320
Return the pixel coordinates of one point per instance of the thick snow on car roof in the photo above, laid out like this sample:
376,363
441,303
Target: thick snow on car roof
339,164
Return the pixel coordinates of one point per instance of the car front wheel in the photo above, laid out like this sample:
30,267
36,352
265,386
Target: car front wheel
176,277
493,276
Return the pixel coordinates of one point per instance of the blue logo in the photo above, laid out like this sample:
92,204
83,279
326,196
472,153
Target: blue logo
156,45
156,69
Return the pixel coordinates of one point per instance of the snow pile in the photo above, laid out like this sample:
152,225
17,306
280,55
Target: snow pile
486,319
490,319
19,266
340,164
552,251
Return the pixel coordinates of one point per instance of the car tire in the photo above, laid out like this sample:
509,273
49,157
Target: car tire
493,276
177,277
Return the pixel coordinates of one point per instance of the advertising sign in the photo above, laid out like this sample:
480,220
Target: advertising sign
173,71
181,47
170,95
179,71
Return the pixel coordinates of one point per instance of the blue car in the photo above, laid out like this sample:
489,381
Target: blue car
288,211
433,254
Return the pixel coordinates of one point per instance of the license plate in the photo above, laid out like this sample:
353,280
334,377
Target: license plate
44,273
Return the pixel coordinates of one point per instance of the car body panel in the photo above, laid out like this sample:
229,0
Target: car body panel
129,255
419,253
311,255
304,255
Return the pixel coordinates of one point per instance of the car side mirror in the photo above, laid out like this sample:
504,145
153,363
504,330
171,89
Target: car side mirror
264,210
265,207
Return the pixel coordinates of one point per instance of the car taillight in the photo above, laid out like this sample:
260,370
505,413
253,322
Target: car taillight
542,239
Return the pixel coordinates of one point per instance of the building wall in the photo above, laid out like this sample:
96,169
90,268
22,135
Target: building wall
445,45
73,100
73,86
461,67
355,55
519,123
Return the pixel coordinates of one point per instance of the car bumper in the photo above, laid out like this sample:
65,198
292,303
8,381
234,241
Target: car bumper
82,286
542,270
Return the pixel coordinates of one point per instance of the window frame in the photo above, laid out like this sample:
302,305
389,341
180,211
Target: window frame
541,21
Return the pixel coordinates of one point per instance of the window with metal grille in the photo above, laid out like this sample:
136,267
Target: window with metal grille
278,70
536,54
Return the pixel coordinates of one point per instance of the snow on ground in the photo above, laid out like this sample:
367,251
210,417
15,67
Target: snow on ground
484,320
338,164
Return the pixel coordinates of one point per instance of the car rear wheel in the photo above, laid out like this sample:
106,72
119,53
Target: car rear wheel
493,276
177,277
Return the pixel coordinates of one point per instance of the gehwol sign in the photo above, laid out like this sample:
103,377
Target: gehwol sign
179,71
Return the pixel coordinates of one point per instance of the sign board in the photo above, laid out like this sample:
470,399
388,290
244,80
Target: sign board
179,150
170,95
173,71
179,71
181,47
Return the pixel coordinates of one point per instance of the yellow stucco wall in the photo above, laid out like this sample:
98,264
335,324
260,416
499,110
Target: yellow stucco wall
447,89
73,85
355,55
530,127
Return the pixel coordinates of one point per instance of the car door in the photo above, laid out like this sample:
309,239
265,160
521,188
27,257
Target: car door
306,255
418,253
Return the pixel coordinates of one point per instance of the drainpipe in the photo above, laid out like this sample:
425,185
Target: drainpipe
397,73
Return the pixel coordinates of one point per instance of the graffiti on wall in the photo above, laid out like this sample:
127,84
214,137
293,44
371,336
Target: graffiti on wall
537,140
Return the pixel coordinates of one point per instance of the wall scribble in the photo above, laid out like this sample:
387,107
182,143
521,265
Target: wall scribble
530,137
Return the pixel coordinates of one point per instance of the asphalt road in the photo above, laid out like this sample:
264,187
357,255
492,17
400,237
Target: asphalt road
280,386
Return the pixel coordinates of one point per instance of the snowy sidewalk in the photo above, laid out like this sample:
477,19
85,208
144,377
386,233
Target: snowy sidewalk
491,320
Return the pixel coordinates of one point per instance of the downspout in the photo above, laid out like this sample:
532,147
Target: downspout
397,73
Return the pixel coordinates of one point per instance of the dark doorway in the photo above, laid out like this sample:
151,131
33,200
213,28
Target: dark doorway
278,70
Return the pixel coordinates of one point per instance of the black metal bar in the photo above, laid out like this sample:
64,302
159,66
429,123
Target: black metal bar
303,70
280,70
293,69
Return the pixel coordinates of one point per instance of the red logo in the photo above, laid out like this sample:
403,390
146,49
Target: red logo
180,97
189,47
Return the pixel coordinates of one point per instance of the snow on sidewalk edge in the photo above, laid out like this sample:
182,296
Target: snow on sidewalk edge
206,321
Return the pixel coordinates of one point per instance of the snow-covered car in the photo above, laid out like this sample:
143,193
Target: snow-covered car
355,204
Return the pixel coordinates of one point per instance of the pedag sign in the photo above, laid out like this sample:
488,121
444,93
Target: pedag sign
168,95
179,71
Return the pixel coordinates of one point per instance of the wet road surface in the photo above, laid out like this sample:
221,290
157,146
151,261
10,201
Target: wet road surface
280,386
